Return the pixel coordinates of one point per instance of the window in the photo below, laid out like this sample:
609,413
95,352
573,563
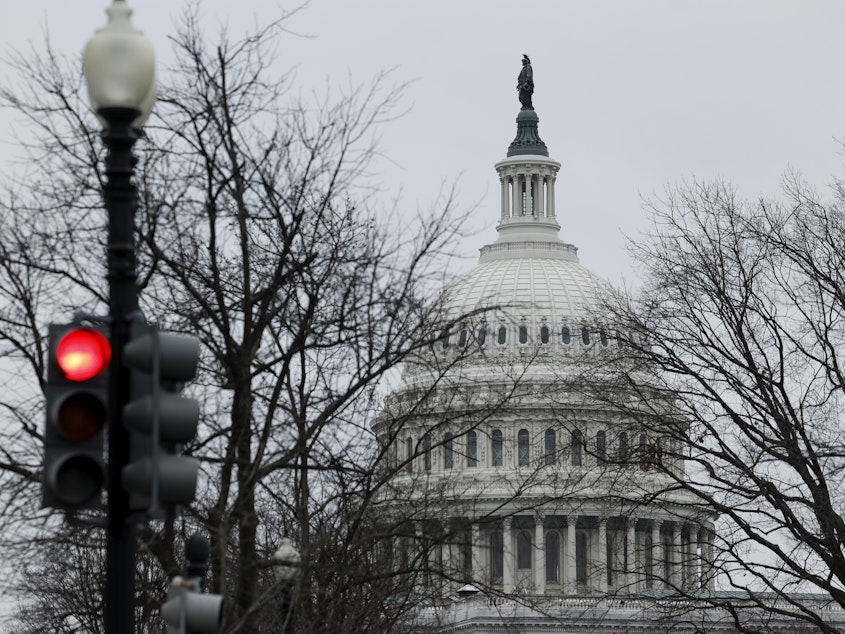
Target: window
427,451
565,336
585,336
623,447
497,557
472,449
552,557
544,334
648,562
601,447
503,332
462,338
444,338
522,441
551,449
523,334
618,339
523,550
575,448
643,452
603,338
409,454
497,447
447,450
482,336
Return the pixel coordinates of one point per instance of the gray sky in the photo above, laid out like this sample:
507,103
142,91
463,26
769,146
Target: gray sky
631,95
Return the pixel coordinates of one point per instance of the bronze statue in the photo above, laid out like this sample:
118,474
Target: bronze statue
525,83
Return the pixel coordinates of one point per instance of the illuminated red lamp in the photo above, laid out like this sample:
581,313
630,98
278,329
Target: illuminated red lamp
83,354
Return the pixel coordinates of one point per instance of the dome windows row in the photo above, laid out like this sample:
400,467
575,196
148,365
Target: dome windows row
501,335
571,447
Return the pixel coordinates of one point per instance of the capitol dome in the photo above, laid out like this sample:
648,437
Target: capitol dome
519,480
529,293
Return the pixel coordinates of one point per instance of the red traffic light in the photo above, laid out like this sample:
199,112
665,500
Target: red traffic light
82,354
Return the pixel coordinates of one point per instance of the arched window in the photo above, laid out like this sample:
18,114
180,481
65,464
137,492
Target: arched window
565,336
575,444
544,334
427,451
523,550
623,447
601,447
497,557
447,450
618,339
585,336
523,334
522,441
497,447
552,557
482,335
462,338
550,446
503,334
409,454
643,452
472,449
444,338
603,338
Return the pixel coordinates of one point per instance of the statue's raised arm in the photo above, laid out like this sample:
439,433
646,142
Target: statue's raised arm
525,83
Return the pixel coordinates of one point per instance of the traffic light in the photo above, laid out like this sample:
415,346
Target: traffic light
77,395
160,421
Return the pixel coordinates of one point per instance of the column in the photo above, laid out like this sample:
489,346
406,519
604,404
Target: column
688,558
656,552
602,562
508,555
550,202
516,196
531,179
708,572
631,581
539,554
504,181
397,552
477,554
541,196
677,557
570,584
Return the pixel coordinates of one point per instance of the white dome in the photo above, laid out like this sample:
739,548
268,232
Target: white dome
526,288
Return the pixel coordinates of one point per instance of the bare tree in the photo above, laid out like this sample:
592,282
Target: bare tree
735,370
255,234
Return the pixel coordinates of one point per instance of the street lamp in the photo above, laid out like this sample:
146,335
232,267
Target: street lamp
119,67
286,561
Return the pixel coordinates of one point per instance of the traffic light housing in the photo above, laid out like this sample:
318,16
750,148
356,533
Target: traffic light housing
78,361
160,421
186,611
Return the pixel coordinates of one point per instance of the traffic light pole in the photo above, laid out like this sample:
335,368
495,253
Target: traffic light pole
120,197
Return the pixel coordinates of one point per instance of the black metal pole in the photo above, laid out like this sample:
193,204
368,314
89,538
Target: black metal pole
120,199
288,612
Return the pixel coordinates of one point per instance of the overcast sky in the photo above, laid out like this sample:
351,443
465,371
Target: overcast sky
631,95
